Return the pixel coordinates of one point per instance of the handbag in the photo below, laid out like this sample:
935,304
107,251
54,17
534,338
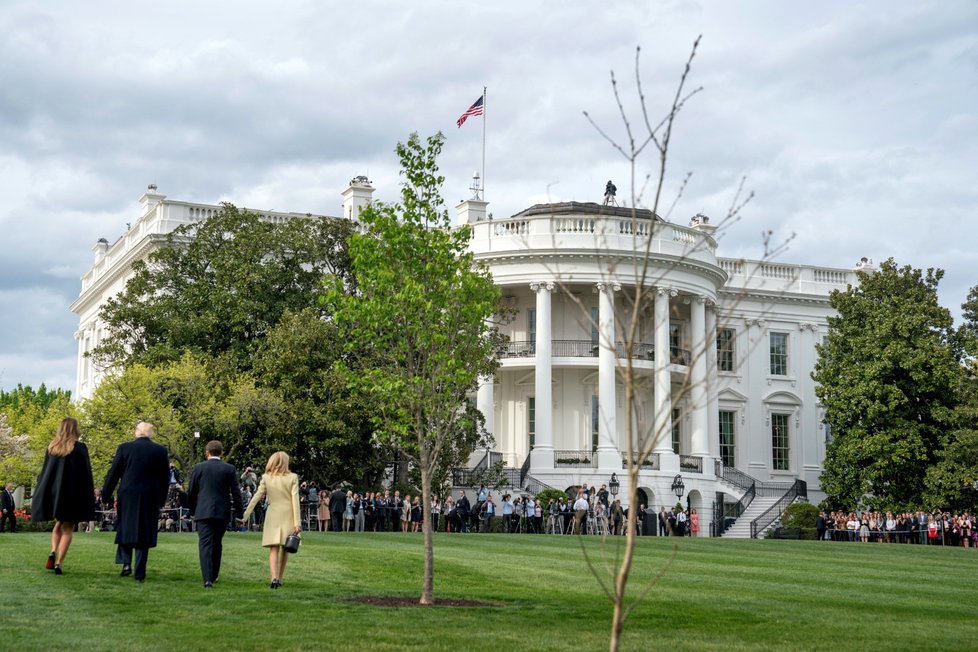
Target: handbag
292,543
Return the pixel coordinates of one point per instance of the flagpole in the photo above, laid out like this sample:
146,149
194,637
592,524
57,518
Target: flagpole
484,100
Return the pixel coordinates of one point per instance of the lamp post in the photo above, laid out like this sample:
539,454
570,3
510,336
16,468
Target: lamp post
614,485
196,440
678,486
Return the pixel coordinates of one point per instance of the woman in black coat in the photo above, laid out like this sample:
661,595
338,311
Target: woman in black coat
65,490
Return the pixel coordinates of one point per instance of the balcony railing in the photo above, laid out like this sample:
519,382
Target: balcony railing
691,463
583,349
575,459
650,463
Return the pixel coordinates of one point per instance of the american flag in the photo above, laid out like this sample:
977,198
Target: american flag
475,109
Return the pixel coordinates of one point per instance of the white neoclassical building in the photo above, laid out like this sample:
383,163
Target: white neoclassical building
729,404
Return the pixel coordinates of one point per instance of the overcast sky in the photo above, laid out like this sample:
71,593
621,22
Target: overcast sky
854,122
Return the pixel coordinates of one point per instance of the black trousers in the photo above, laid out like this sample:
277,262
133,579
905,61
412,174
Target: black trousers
336,521
210,545
124,556
8,517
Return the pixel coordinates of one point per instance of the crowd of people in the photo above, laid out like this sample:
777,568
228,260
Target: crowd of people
935,528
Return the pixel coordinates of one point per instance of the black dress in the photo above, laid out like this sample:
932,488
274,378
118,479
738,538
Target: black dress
65,490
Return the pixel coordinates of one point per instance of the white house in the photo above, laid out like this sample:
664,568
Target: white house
732,399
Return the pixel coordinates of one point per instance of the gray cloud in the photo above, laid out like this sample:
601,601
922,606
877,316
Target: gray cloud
855,126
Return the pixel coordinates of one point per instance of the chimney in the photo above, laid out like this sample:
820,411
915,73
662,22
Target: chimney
356,197
100,248
150,199
702,224
865,264
473,210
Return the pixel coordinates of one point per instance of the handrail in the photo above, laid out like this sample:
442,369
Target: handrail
525,468
734,476
774,512
483,463
741,506
534,486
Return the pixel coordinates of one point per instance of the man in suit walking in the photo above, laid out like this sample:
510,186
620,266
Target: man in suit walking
337,505
141,470
214,495
7,508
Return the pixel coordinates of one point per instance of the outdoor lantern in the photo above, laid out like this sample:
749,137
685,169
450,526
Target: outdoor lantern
678,486
614,485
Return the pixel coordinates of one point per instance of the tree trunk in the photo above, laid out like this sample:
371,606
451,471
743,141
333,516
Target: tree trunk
428,583
621,577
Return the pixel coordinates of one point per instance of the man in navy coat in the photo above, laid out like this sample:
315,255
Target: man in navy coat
141,470
213,494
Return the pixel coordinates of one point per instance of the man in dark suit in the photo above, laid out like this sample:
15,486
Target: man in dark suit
141,469
213,496
337,505
462,508
7,508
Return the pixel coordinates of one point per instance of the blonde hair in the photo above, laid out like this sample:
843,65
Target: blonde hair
64,442
145,429
278,463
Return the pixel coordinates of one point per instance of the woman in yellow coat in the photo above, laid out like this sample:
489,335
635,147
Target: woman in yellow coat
282,515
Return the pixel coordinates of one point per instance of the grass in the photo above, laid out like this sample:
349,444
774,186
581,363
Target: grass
719,594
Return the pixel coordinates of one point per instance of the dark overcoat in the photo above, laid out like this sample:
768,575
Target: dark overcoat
65,490
141,469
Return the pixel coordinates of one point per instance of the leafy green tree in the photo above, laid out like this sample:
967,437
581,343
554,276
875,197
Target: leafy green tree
952,482
32,417
325,425
418,321
886,376
218,286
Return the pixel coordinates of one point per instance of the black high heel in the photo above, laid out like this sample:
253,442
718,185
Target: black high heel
50,563
276,584
57,569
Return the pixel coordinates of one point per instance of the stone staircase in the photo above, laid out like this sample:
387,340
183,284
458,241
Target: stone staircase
741,527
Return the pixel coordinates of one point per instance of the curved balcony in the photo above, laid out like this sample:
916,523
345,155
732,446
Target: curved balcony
590,227
589,349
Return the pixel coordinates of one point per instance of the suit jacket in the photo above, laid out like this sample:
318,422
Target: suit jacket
213,491
7,501
141,470
337,501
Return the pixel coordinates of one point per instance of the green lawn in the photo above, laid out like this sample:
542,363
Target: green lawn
718,594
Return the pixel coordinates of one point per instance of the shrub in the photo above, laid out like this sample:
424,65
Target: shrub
545,496
800,515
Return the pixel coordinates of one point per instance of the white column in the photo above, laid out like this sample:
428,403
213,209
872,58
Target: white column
608,455
712,384
484,401
699,439
663,377
542,455
80,369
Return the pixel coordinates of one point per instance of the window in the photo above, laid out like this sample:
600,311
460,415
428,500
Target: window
727,438
531,420
595,416
676,431
677,353
828,432
779,354
531,329
725,349
780,449
594,326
